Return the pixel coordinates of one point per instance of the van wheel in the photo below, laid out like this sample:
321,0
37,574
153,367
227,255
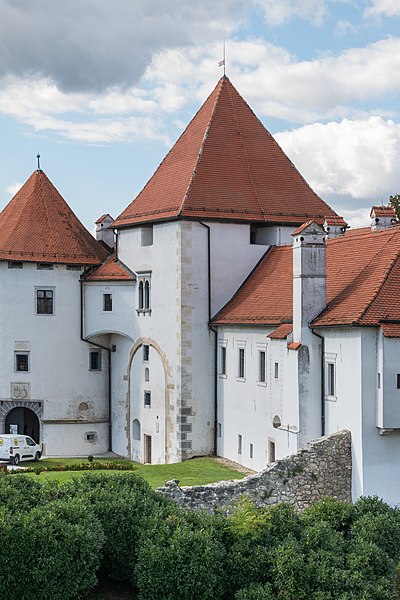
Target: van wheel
16,459
37,456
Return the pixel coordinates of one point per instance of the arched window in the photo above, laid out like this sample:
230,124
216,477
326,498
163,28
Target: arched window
136,429
141,295
146,374
147,295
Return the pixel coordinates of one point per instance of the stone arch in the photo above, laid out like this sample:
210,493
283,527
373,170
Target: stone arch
7,406
168,386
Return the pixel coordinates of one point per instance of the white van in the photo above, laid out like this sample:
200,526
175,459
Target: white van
15,448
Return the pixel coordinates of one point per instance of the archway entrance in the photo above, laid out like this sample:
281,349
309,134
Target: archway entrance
23,421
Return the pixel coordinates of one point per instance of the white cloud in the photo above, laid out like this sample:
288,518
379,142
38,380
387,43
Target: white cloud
13,188
388,8
354,159
278,12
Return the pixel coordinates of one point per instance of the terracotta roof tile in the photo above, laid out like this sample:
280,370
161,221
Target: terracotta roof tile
363,284
226,166
38,225
382,211
281,332
301,228
336,220
111,270
101,219
294,346
391,329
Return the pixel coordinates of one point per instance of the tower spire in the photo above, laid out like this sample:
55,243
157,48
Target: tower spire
38,161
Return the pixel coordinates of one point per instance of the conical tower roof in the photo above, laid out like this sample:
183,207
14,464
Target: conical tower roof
37,225
226,166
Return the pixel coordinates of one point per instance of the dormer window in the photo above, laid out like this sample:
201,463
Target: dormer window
144,294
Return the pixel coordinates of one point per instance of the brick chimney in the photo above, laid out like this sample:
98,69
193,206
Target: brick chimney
309,276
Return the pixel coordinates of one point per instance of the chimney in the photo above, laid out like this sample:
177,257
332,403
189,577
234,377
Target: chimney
382,217
104,231
335,226
309,276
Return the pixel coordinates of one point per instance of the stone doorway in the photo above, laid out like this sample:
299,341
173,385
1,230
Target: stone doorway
23,421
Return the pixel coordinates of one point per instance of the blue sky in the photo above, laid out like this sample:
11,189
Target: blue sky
103,89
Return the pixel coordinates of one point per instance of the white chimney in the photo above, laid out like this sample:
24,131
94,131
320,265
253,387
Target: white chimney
335,226
309,277
382,217
104,231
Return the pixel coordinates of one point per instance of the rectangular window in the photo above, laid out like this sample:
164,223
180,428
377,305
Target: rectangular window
146,352
15,264
147,398
251,451
95,360
398,381
22,361
74,267
379,381
107,302
91,437
222,364
331,379
261,366
147,235
44,266
240,442
219,430
276,371
271,451
241,363
44,302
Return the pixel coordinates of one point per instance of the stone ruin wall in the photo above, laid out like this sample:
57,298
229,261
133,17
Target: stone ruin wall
322,468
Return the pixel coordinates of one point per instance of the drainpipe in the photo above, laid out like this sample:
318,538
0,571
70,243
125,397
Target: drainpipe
109,361
215,337
322,380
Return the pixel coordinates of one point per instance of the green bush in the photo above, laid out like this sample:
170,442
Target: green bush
53,551
181,556
256,592
337,513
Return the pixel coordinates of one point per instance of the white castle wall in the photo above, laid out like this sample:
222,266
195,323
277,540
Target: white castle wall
59,375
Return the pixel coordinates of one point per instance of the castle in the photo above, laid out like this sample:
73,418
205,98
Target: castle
226,311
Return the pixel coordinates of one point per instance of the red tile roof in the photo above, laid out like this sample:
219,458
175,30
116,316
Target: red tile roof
281,332
227,166
383,211
301,228
338,221
110,270
391,329
101,219
37,225
294,346
363,284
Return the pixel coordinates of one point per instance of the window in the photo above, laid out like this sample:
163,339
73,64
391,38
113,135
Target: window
107,302
222,360
261,366
147,235
241,363
95,360
219,430
330,383
379,381
73,267
21,361
136,429
44,302
271,451
44,266
144,290
147,398
276,371
15,264
146,352
91,437
251,451
240,443
146,374
398,381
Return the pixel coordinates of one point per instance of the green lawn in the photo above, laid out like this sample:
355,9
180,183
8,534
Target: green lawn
197,471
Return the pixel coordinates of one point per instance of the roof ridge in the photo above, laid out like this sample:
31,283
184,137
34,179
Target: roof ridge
384,279
200,152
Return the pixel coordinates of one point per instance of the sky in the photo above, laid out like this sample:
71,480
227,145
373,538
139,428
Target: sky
103,89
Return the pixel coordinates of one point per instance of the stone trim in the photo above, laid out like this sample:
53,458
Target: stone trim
7,406
322,468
